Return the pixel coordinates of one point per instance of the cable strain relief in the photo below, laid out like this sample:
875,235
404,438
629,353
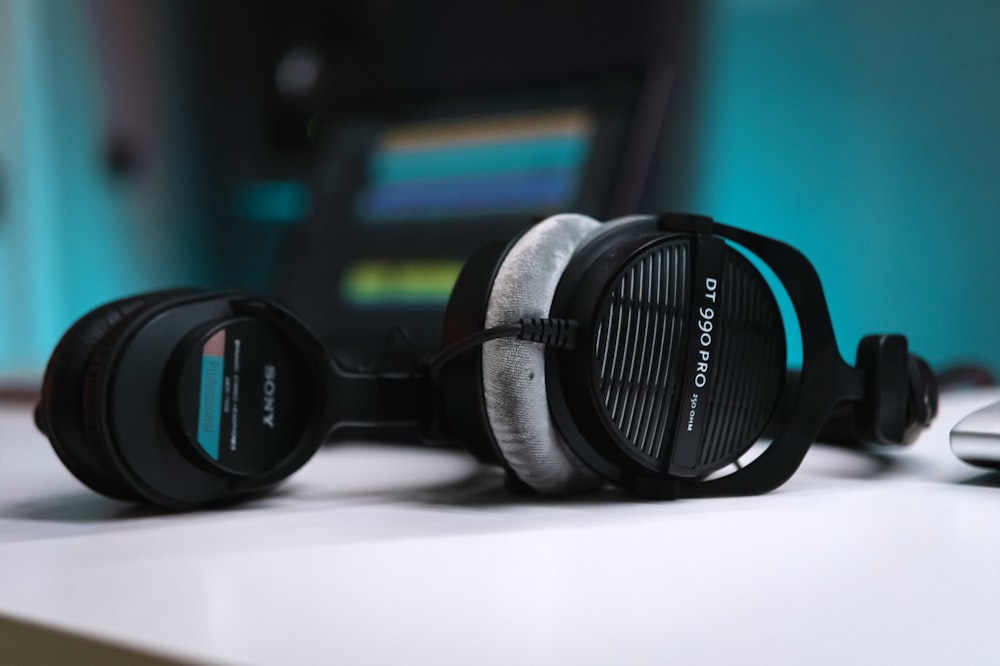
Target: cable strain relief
550,331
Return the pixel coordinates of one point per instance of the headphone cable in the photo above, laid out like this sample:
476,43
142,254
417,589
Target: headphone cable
549,331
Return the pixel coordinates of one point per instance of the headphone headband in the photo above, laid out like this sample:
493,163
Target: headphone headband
826,379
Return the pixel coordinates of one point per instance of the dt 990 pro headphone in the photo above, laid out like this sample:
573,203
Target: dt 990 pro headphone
647,353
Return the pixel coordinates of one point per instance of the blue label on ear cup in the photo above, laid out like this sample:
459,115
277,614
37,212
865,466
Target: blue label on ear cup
238,397
213,361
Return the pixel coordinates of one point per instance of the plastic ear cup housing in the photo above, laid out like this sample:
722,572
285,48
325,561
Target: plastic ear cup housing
232,397
141,441
681,361
679,366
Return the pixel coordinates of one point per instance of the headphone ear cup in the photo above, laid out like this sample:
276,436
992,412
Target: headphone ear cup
68,410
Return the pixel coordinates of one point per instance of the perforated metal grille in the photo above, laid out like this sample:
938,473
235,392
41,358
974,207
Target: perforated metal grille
639,344
750,364
642,350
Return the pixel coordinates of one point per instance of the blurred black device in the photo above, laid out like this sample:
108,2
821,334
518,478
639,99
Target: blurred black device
362,150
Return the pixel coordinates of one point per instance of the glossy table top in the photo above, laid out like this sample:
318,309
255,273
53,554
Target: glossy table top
384,554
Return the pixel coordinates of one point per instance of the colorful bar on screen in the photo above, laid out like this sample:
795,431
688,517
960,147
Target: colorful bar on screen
508,192
539,153
499,129
508,164
409,282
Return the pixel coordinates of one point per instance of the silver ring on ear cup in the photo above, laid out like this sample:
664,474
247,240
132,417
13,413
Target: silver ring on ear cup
514,371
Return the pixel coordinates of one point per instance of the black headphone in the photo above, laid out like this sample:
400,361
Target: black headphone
647,352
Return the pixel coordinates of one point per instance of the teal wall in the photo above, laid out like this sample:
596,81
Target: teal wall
72,233
867,134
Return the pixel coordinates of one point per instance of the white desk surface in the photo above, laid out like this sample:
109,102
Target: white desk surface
388,555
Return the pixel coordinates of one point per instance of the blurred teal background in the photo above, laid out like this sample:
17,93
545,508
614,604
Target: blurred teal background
867,134
73,232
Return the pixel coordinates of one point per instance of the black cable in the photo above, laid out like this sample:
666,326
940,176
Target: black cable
965,375
551,332
449,353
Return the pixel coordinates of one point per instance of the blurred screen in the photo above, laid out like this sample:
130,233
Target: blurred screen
401,199
495,165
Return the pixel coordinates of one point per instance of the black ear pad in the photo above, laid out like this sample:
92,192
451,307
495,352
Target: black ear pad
66,412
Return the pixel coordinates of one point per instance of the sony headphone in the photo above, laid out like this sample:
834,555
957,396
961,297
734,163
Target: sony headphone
647,352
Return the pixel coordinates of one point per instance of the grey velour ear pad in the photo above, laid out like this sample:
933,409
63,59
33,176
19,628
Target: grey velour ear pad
514,370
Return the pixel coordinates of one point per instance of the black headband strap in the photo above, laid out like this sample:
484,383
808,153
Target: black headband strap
826,378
